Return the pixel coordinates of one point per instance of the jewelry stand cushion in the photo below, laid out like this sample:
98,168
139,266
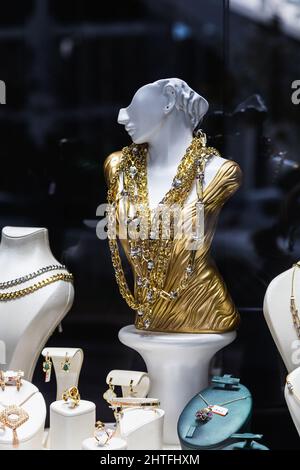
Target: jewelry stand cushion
216,432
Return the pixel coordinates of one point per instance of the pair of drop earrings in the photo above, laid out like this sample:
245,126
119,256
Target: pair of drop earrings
47,366
110,394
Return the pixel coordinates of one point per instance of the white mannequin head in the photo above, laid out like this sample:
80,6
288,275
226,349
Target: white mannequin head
154,104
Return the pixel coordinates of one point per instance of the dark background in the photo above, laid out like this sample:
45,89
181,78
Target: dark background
69,66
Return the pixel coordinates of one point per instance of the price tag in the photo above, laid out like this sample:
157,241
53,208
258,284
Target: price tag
219,410
48,375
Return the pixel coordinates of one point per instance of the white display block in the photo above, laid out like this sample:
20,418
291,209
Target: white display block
115,443
70,426
142,429
292,402
31,433
65,380
178,366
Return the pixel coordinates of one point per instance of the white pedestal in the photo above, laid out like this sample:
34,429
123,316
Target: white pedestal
31,433
177,364
115,443
70,426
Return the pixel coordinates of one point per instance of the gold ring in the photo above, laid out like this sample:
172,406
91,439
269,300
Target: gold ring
102,435
71,397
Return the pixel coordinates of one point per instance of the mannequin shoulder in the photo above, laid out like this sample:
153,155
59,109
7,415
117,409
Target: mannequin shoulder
231,177
111,164
233,169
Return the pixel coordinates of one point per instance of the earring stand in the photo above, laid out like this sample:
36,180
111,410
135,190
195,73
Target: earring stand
65,380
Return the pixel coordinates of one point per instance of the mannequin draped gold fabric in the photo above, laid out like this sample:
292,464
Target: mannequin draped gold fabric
205,306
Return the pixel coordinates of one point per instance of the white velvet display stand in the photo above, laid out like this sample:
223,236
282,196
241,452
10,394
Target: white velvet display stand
70,426
65,380
31,433
142,429
279,318
115,443
292,402
178,366
27,322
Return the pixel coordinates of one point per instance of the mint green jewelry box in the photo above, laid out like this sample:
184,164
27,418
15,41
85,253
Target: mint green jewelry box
216,433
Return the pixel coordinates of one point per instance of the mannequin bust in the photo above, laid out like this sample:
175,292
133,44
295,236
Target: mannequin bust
279,318
27,322
164,115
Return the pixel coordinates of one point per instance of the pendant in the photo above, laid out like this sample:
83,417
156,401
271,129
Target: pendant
204,414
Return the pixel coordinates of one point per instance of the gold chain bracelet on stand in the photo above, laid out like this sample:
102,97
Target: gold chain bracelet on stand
150,253
6,296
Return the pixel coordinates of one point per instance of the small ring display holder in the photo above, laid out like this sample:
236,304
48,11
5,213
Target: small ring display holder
67,364
22,415
178,367
71,421
132,383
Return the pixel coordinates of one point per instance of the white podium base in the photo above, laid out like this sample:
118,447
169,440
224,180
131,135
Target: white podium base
69,427
178,365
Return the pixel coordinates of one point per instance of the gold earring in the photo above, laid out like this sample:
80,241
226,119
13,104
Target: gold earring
131,391
18,381
2,380
66,365
47,366
110,393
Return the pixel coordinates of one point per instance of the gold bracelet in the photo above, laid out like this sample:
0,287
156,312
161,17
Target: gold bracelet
6,296
71,397
135,403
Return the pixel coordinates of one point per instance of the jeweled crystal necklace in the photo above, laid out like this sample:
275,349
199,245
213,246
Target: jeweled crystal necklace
13,416
150,254
28,277
293,307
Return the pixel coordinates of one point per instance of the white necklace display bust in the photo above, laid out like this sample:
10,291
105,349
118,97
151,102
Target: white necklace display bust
27,322
279,318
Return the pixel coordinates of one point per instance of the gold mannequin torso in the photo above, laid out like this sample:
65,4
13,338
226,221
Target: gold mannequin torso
205,306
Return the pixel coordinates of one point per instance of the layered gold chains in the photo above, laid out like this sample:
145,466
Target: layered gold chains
293,306
150,251
6,296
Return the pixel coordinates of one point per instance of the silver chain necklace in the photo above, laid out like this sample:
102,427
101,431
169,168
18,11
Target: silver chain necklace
206,414
28,277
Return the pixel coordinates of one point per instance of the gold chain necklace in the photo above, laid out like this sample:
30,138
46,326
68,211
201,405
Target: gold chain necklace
150,253
6,296
293,307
